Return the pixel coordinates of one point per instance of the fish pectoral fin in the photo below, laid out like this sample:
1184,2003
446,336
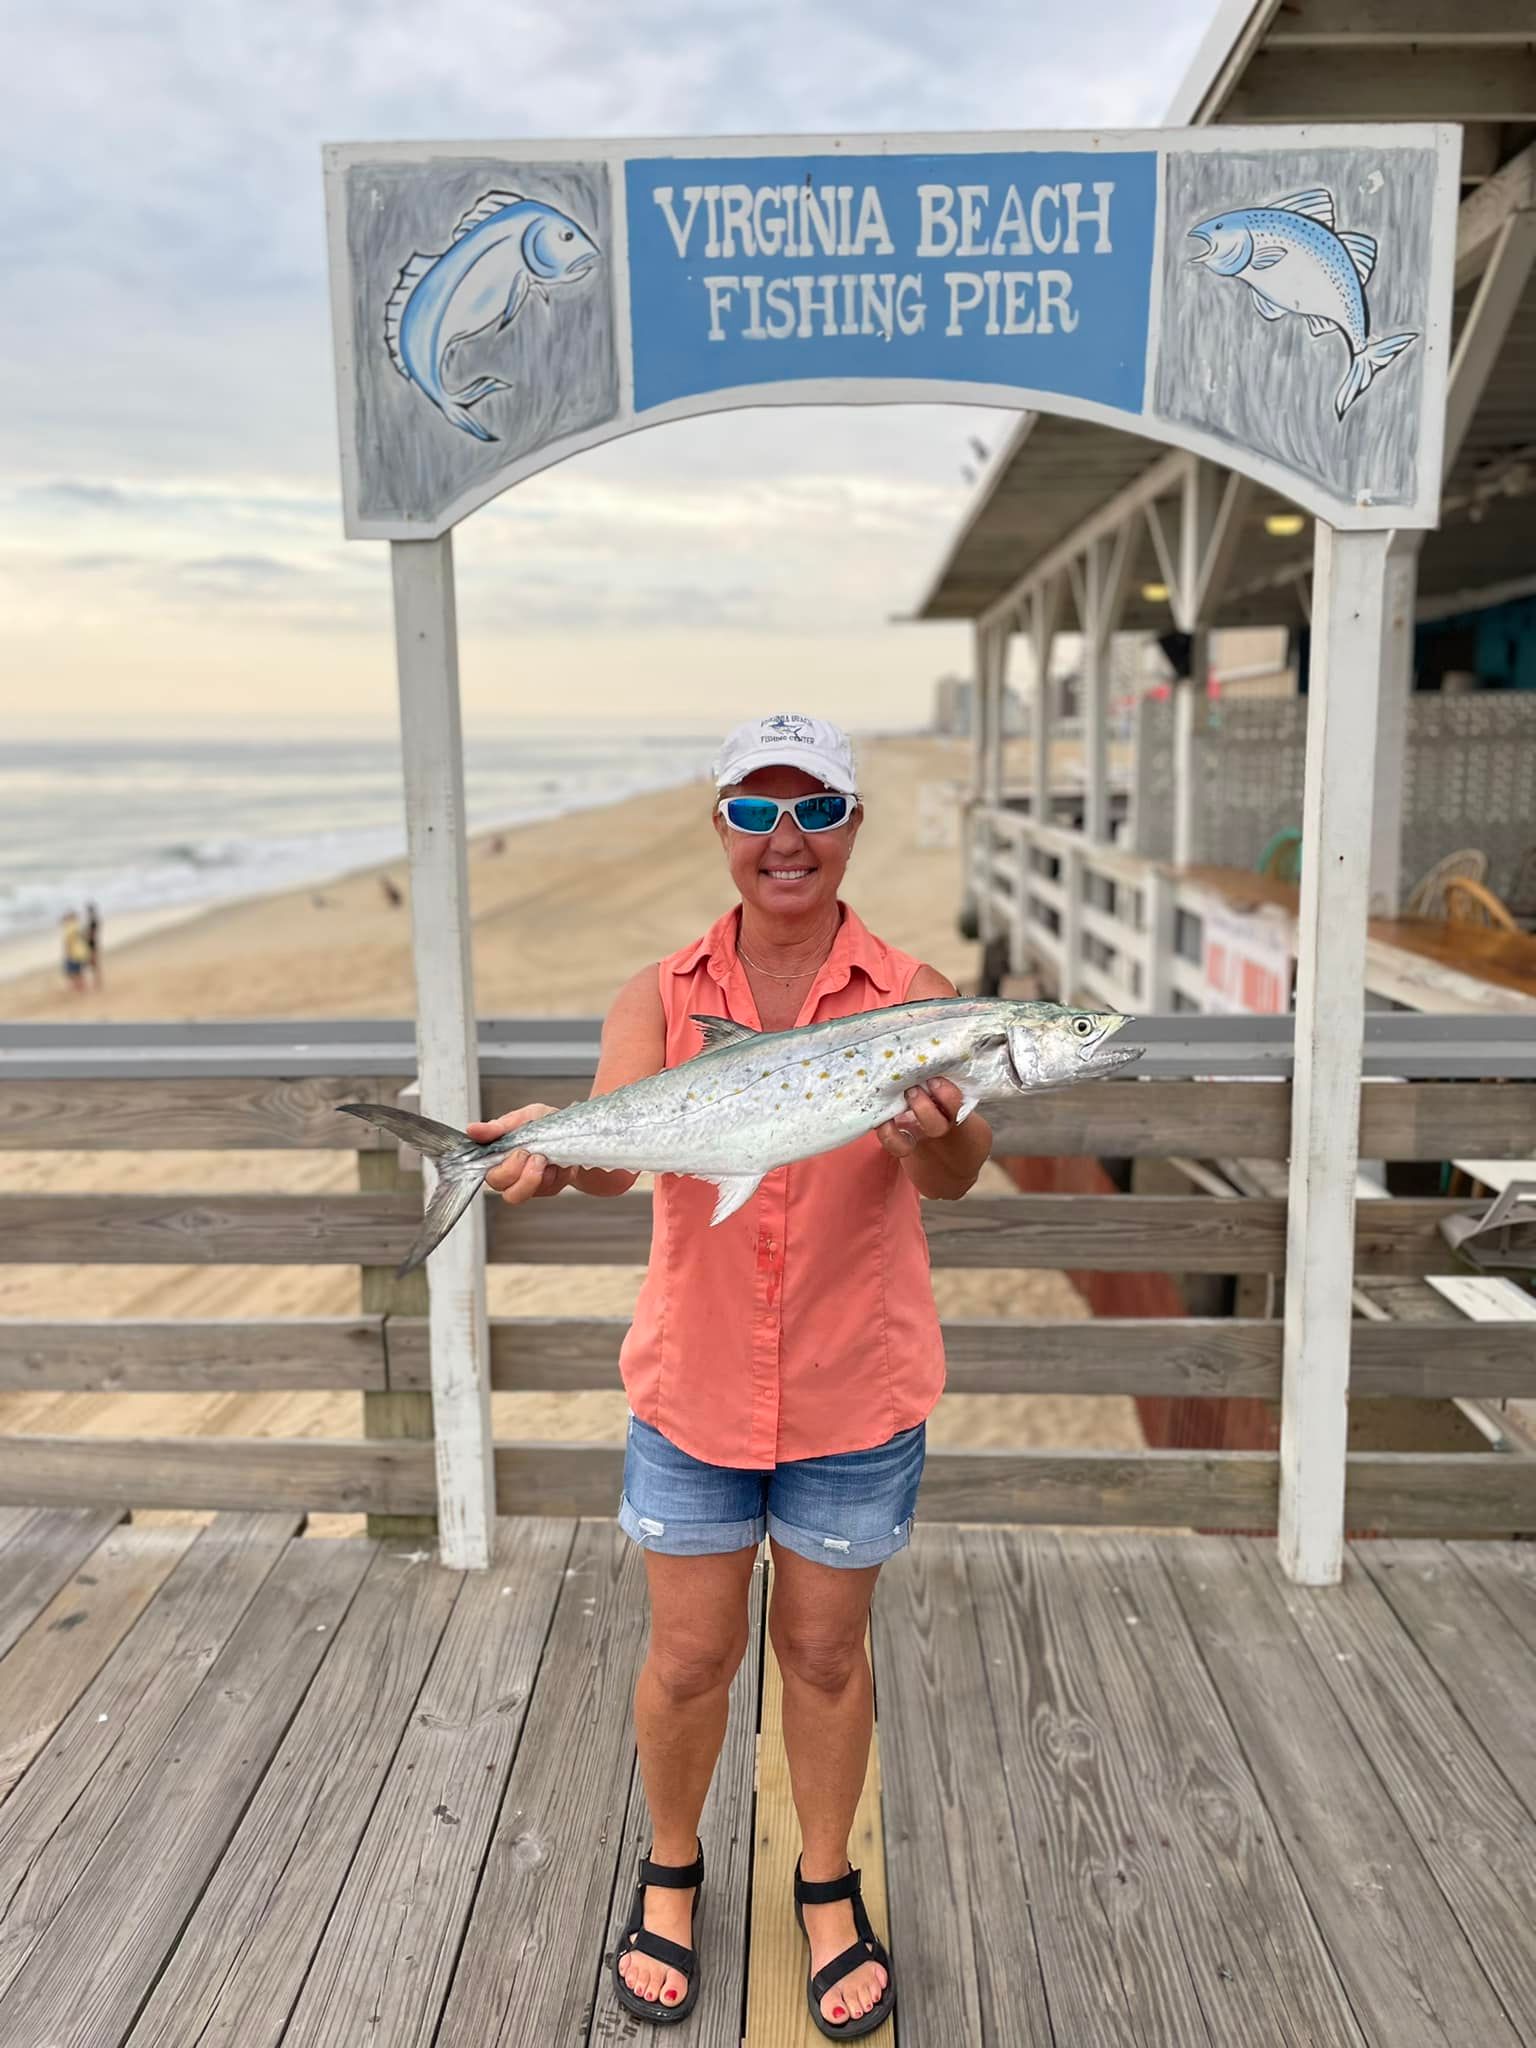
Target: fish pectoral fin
1316,204
968,1102
481,388
1266,256
1362,253
1266,308
493,202
1318,326
718,1032
732,1189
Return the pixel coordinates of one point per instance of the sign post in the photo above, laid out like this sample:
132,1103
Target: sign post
1277,300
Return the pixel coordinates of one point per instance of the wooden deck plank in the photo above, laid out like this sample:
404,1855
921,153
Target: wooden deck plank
778,2012
42,1558
1411,1978
1114,1966
725,1829
1480,1658
49,1667
1261,1967
1507,1574
12,1521
87,1975
1479,1844
389,1948
966,1964
535,1943
240,1964
61,1812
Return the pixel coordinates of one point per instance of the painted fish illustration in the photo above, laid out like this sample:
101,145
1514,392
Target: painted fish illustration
754,1100
1293,260
504,248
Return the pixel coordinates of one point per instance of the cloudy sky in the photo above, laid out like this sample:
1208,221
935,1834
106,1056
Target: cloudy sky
170,534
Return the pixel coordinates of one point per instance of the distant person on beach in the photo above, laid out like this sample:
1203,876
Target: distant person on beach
780,1370
77,951
93,943
392,895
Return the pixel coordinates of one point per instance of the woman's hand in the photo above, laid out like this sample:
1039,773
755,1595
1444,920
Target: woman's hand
930,1113
521,1175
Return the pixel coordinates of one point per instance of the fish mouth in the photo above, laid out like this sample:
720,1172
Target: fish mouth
1209,250
1116,1056
581,266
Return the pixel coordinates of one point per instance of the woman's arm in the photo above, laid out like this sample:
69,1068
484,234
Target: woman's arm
634,1045
941,1158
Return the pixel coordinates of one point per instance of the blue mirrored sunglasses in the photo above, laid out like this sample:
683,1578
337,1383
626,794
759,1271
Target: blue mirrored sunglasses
760,814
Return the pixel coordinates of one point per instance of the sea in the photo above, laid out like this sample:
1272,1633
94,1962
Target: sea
151,830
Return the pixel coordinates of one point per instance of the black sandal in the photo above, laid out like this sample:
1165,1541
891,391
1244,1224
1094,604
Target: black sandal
637,1939
869,1948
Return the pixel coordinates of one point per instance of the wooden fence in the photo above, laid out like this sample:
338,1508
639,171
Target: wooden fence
210,1089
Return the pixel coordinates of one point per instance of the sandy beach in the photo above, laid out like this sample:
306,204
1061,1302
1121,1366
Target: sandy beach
563,912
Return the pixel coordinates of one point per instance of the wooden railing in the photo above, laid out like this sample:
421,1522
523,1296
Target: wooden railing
1107,926
268,1087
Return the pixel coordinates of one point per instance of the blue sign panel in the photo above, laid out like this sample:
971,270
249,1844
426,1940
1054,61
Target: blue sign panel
1030,269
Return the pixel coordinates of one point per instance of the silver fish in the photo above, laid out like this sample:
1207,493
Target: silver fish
754,1100
504,248
1294,260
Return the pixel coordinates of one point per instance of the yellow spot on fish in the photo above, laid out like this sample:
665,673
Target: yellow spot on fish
693,1094
768,1071
854,1055
810,1094
783,1084
922,1059
863,1074
934,1041
887,1054
824,1077
805,1063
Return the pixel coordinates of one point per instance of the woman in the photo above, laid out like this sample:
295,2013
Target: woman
780,1370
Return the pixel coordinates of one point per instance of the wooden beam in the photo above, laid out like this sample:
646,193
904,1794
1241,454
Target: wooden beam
1468,83
1397,637
1499,295
193,1357
1102,1233
1511,189
1395,1493
198,1114
447,1058
1349,582
1383,24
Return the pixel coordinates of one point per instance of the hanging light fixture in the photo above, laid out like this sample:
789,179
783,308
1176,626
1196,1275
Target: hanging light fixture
1284,525
1155,593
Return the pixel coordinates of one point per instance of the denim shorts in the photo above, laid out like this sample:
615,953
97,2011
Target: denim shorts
851,1509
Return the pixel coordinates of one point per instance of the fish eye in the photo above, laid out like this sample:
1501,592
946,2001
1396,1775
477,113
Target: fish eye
1083,1026
567,234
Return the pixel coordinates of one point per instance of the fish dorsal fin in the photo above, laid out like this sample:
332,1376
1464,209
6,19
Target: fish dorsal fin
412,271
1316,205
493,202
719,1032
1362,252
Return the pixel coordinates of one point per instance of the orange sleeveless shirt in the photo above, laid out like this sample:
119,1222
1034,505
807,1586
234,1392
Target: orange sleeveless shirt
805,1324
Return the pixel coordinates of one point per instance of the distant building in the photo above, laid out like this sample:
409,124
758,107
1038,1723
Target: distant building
952,701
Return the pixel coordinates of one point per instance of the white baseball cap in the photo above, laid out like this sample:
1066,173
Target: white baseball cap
789,739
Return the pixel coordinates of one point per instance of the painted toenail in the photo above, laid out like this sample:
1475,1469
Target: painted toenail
669,1994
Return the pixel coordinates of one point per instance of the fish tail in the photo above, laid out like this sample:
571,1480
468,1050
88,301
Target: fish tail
457,416
1365,364
461,1167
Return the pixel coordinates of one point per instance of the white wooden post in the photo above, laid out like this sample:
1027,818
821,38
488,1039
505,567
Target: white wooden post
1042,634
1386,889
447,1062
1071,880
1187,692
996,643
1095,693
1349,575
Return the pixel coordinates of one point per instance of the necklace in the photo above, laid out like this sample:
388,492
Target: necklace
773,973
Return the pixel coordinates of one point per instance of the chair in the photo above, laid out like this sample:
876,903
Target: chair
1428,899
1281,859
1470,903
